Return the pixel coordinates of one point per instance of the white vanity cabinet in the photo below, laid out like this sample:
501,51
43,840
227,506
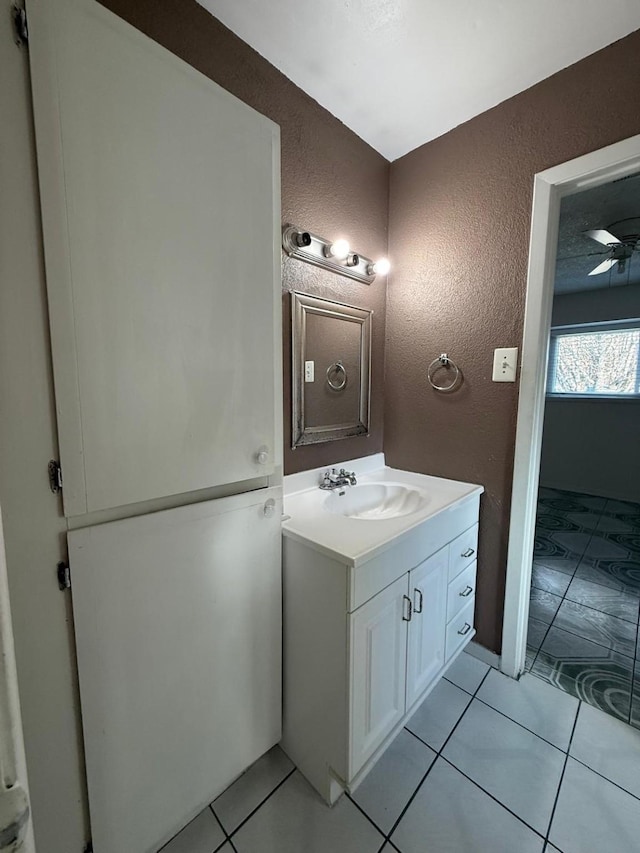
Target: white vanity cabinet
365,640
426,637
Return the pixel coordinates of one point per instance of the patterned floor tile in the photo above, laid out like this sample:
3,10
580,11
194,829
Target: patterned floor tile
624,576
635,696
567,564
571,541
624,605
543,606
629,540
572,501
549,580
550,522
589,671
621,547
587,521
623,509
615,524
536,634
566,544
598,627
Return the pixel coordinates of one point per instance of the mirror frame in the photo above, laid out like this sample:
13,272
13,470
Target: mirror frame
301,306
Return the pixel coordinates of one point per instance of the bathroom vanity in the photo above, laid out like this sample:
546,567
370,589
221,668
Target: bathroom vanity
379,595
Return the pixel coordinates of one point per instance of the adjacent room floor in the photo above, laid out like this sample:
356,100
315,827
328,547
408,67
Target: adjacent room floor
585,596
486,764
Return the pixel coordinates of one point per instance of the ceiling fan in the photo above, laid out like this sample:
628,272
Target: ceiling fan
620,248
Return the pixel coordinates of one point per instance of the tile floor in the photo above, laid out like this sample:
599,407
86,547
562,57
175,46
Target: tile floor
585,599
486,764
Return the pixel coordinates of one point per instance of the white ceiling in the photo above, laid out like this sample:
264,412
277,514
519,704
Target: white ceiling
402,72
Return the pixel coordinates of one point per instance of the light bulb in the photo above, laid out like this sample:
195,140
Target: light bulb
338,250
381,267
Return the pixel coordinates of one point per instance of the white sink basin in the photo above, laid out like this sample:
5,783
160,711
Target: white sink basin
375,501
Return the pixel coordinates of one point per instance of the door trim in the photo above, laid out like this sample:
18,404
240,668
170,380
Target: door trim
590,170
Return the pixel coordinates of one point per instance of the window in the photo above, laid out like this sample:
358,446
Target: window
596,360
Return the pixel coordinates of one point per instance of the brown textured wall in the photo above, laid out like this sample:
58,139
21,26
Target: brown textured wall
332,183
459,230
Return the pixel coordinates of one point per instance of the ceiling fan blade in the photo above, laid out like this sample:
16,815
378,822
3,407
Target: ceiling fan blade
605,266
602,236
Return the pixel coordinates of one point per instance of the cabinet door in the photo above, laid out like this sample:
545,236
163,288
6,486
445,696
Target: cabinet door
428,591
160,207
378,661
178,631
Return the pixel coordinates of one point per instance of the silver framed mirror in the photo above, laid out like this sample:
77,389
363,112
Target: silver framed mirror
331,369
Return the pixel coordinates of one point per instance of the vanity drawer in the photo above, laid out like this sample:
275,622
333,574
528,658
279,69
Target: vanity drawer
463,551
434,533
461,590
460,629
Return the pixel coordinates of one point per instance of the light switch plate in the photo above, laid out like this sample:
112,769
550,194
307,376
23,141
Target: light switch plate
309,371
505,363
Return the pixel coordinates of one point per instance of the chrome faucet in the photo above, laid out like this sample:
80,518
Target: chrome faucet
337,479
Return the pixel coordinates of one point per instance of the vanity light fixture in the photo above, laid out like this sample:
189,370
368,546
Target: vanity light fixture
380,267
335,255
338,250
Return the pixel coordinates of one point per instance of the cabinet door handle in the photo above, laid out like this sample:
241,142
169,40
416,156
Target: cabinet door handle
465,629
409,609
468,553
417,609
466,592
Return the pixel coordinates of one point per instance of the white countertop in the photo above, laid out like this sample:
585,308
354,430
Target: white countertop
356,540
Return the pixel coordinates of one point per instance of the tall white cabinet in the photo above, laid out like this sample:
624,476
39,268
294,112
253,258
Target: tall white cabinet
160,199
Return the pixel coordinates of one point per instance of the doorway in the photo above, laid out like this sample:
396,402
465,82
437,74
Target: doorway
550,187
585,587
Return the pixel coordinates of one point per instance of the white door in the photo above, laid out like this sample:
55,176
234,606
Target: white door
178,627
428,591
160,206
378,661
16,831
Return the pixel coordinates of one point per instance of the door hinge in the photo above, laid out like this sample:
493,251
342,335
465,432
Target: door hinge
64,576
55,477
20,26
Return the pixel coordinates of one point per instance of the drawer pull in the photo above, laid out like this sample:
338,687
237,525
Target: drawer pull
417,609
409,609
465,629
468,553
466,592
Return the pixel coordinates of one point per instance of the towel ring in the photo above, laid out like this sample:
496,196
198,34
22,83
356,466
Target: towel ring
442,360
338,367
